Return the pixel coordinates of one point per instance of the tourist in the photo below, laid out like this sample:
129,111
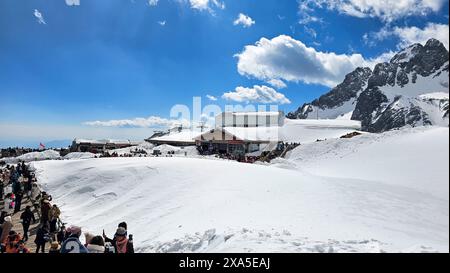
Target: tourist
21,247
96,245
35,192
9,203
2,220
45,209
18,201
62,234
53,216
73,244
2,217
2,190
26,218
42,237
6,228
87,238
12,242
120,242
54,248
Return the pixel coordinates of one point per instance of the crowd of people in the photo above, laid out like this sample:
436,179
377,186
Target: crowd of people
18,184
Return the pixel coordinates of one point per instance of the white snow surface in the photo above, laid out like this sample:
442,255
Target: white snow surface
416,158
147,147
308,130
184,136
437,83
33,156
372,193
79,155
436,96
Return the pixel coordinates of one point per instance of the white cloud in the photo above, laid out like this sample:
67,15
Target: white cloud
277,83
244,20
162,23
205,5
284,58
153,2
39,17
386,10
72,2
383,58
149,122
410,35
257,94
211,97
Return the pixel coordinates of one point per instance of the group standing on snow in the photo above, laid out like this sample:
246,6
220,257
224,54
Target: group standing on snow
18,185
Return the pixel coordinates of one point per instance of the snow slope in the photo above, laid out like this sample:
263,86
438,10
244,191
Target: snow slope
416,158
33,156
308,130
79,155
187,205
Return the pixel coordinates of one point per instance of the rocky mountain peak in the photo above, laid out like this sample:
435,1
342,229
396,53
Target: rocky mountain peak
389,96
406,54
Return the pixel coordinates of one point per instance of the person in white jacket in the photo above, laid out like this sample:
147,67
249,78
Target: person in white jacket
35,192
96,245
9,204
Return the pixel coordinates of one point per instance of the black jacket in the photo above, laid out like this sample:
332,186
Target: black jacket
27,216
41,236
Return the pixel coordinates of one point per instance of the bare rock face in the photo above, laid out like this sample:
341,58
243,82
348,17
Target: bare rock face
387,97
352,85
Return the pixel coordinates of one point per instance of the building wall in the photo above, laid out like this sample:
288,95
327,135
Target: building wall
229,119
216,135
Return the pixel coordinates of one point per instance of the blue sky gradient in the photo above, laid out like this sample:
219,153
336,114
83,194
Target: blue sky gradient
111,59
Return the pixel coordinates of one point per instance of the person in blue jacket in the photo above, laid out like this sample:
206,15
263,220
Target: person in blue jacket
72,244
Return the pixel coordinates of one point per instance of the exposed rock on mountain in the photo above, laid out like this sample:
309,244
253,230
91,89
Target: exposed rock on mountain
411,89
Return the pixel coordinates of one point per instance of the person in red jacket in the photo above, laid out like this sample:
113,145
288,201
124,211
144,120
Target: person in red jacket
12,242
21,247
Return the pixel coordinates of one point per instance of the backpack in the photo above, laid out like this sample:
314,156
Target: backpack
47,237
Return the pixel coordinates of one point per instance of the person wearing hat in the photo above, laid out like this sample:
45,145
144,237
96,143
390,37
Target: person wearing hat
73,244
35,192
121,243
122,225
54,248
26,218
87,238
53,216
6,228
45,209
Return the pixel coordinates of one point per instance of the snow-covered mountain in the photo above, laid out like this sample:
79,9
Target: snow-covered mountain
411,89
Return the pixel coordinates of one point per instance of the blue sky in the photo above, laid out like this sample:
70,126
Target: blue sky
77,61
